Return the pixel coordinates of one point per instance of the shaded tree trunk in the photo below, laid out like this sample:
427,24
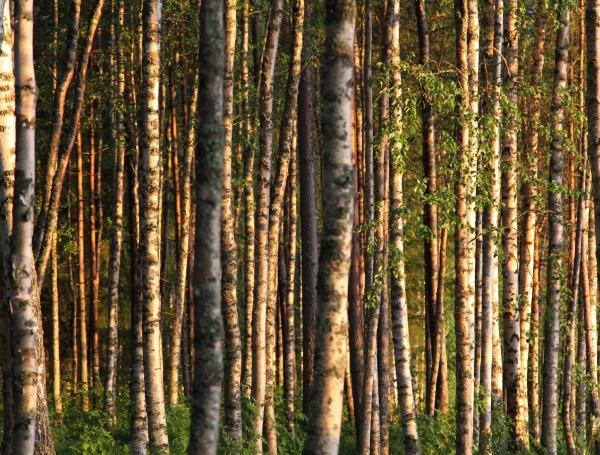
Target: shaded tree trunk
208,320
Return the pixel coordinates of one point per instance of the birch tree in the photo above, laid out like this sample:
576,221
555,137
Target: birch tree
334,261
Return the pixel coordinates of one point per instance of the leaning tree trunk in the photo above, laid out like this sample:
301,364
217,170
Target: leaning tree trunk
208,320
334,263
46,226
555,234
149,248
22,267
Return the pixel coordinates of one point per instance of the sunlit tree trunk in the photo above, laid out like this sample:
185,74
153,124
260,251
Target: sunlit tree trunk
263,328
81,294
46,224
530,242
249,226
233,351
7,170
208,320
490,226
399,307
58,110
510,261
334,263
555,238
572,318
22,267
149,247
464,244
289,330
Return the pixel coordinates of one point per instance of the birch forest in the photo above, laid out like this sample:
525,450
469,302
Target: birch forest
310,227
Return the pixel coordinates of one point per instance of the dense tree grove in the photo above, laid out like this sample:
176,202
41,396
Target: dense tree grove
289,226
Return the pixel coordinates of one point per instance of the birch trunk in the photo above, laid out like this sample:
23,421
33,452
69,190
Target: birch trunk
233,352
510,262
208,349
116,236
260,319
334,263
7,170
399,307
465,245
555,233
21,299
149,247
250,207
490,227
527,268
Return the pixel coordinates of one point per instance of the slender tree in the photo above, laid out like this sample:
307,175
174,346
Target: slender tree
555,237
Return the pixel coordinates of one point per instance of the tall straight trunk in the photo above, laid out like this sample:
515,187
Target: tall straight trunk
334,263
233,351
149,247
277,199
47,223
208,355
441,398
474,139
289,329
249,221
590,326
510,261
55,334
183,247
490,227
138,421
7,170
116,236
94,253
572,319
464,244
356,308
260,323
375,277
81,294
527,271
430,215
592,31
555,238
308,212
22,267
387,122
534,348
399,306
